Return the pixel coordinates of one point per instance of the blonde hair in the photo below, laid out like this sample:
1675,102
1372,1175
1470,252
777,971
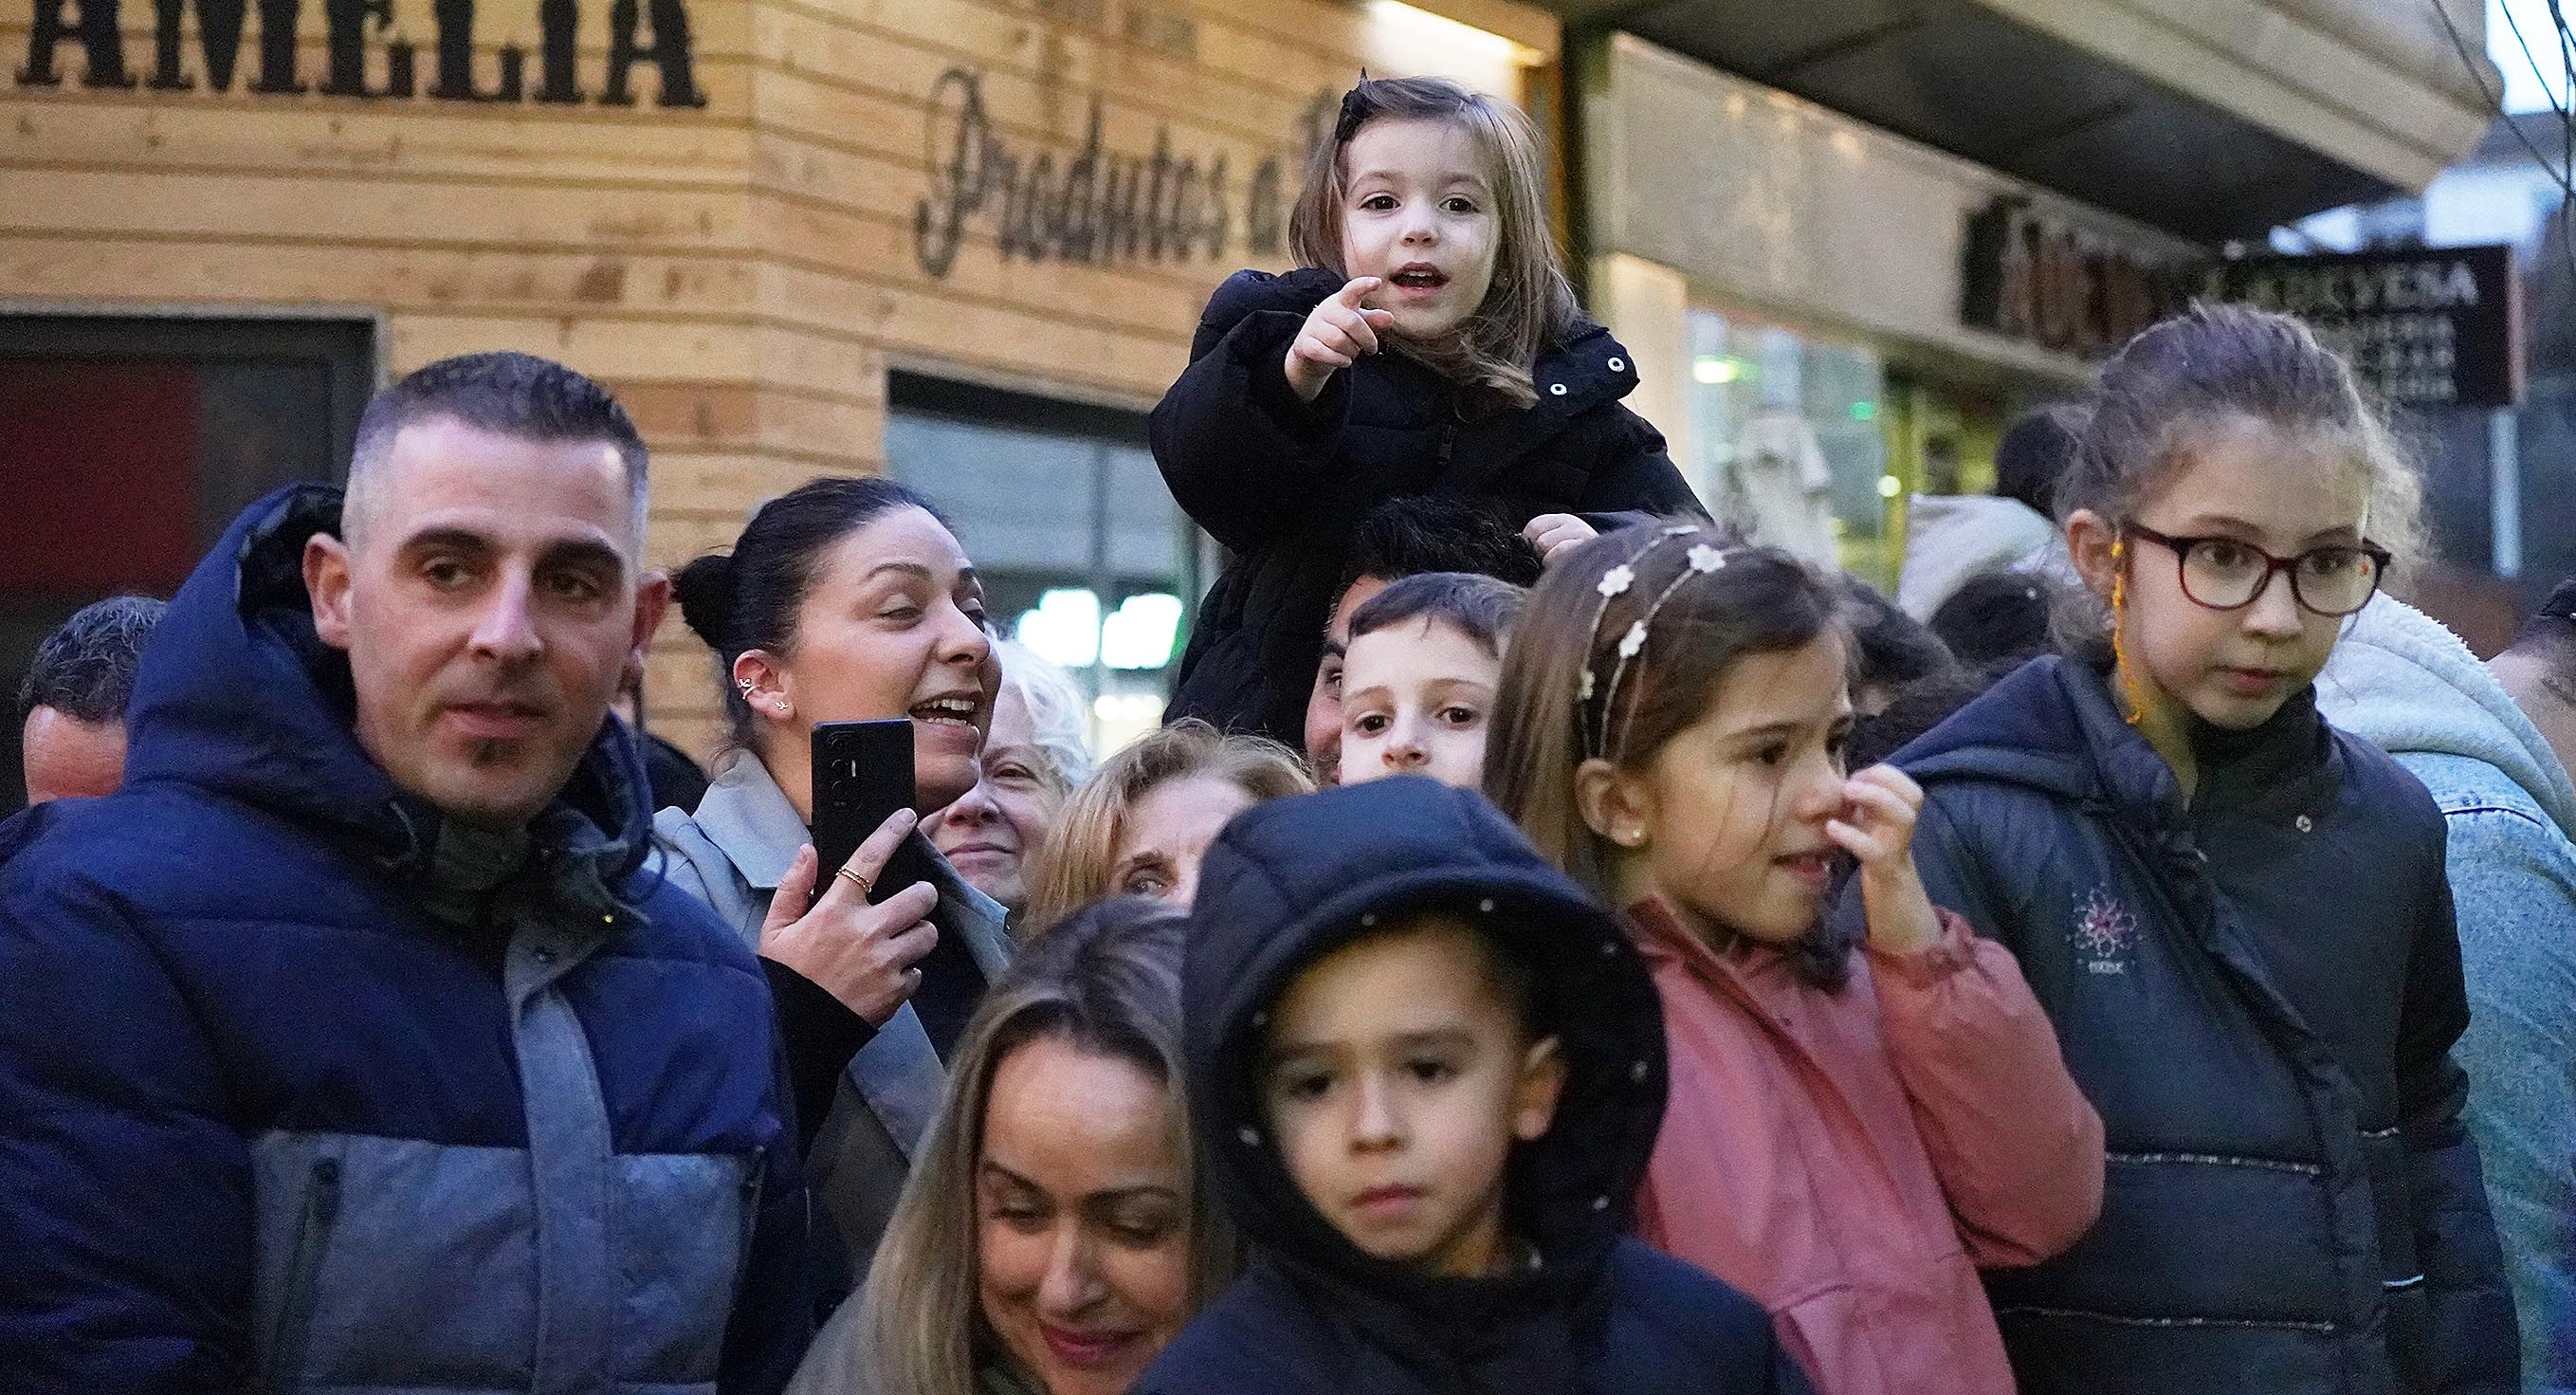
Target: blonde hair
1530,305
1074,863
1107,982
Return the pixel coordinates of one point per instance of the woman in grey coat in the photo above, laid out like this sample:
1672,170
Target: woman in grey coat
846,600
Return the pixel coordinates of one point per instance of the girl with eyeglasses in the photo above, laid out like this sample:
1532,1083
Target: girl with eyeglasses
2235,914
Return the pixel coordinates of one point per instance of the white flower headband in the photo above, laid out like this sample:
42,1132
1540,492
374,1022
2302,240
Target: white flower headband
1703,558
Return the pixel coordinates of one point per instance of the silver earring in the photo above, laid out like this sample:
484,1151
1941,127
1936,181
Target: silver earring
744,684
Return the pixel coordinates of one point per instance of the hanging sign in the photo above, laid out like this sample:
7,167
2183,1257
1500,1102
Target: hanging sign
2423,327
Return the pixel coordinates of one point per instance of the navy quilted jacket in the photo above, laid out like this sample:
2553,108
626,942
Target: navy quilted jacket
266,1123
2259,989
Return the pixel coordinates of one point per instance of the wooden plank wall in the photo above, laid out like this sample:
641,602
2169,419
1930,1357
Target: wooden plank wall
741,273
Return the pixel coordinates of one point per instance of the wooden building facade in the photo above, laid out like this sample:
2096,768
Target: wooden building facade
767,224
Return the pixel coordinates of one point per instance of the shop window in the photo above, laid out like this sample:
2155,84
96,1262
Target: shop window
1785,438
128,443
1085,557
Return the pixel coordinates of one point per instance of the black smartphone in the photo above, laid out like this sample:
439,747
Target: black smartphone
862,775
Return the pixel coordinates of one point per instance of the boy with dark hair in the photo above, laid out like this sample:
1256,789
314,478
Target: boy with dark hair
1430,1072
1419,678
1401,538
71,708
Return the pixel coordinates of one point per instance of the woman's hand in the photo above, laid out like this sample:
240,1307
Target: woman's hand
1555,534
1335,335
1877,827
863,955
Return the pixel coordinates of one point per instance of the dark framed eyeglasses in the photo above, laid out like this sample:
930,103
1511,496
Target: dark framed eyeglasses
2227,574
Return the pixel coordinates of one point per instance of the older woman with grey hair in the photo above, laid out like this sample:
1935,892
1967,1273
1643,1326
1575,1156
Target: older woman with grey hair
1036,754
1056,1232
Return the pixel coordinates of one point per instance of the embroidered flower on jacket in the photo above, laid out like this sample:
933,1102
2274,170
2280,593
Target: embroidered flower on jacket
2105,933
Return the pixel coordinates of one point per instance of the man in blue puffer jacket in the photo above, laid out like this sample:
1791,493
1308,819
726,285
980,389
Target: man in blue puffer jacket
352,1045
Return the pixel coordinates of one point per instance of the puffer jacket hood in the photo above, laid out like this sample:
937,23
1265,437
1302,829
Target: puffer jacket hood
1952,537
2407,685
1292,880
238,696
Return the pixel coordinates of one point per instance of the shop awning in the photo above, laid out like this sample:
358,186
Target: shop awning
2215,121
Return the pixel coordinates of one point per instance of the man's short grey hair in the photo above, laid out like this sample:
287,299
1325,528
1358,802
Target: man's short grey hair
85,670
1056,715
508,394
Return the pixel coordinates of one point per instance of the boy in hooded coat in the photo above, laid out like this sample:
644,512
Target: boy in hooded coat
1583,1306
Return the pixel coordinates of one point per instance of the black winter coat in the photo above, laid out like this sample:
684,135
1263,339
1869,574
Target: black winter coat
2259,991
1598,1312
1282,483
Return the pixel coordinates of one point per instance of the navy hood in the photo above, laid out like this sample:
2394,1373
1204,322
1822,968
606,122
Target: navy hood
237,696
1288,882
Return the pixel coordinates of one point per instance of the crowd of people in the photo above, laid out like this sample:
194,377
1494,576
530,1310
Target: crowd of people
1557,943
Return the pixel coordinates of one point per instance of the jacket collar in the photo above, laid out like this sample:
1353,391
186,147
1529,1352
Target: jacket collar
747,816
2055,726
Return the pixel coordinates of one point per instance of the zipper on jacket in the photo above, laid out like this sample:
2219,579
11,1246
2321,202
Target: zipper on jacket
1448,442
304,1274
750,1219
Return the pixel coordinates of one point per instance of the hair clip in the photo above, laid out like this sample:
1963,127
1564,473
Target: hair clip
1356,108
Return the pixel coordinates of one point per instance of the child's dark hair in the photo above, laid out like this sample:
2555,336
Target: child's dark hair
1530,304
1436,533
1891,650
2035,454
1479,607
1998,618
748,599
1618,651
2180,379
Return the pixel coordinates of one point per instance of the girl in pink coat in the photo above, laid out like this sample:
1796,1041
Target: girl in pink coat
1859,1122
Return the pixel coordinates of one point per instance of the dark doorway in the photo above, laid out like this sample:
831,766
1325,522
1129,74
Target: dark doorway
127,443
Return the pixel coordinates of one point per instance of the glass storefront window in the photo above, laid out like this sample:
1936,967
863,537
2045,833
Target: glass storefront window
1784,437
1086,559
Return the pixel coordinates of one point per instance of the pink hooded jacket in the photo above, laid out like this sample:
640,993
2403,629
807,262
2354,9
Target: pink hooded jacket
1852,1159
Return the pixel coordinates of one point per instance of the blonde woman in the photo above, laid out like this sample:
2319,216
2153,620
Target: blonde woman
1055,1234
1140,824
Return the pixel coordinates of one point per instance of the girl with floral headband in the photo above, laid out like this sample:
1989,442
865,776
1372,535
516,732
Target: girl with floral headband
2236,915
1860,1120
1427,344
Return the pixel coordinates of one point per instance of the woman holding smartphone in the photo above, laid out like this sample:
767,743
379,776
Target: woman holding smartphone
846,600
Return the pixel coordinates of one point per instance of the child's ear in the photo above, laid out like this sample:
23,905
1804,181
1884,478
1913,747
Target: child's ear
1542,1081
1614,804
2093,544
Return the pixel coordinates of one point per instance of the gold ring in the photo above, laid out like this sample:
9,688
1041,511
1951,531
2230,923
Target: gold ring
866,887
